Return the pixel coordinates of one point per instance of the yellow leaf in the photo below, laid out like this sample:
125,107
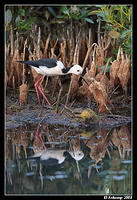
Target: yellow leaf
114,34
88,114
94,12
87,134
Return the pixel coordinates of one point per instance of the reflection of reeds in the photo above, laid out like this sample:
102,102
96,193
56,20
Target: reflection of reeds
21,141
122,139
119,137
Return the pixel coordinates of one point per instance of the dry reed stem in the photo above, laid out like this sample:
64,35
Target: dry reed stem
36,51
85,89
17,57
14,65
38,43
77,49
6,80
103,45
114,69
55,81
86,57
92,70
31,56
23,94
108,44
103,79
82,49
124,71
46,45
10,68
63,50
13,82
9,59
71,45
11,42
53,55
99,92
24,50
106,65
74,85
99,26
99,57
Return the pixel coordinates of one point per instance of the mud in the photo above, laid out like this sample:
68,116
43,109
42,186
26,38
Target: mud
38,114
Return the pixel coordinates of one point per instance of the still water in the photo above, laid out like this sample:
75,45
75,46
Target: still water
42,159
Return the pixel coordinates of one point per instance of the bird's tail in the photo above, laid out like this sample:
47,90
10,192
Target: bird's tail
20,61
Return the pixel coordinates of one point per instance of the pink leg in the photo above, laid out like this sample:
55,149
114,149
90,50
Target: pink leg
35,85
42,91
39,138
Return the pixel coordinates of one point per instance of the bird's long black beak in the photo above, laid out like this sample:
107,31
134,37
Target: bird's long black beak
84,79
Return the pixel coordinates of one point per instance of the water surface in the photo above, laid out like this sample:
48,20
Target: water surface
43,159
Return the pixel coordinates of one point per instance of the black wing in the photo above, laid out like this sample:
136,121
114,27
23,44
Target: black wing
48,62
50,162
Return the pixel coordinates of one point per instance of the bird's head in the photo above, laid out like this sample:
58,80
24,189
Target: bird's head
77,155
76,69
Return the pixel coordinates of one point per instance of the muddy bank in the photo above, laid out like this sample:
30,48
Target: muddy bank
17,115
32,116
66,119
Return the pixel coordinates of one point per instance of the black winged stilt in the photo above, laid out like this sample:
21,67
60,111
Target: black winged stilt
50,157
50,67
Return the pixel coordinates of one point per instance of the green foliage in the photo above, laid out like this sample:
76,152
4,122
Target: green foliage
51,10
23,24
102,67
76,13
116,19
118,22
19,19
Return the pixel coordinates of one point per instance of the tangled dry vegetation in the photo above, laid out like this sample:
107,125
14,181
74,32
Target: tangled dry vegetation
74,47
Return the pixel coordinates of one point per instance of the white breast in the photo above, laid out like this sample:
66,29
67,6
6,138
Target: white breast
55,154
37,70
51,71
